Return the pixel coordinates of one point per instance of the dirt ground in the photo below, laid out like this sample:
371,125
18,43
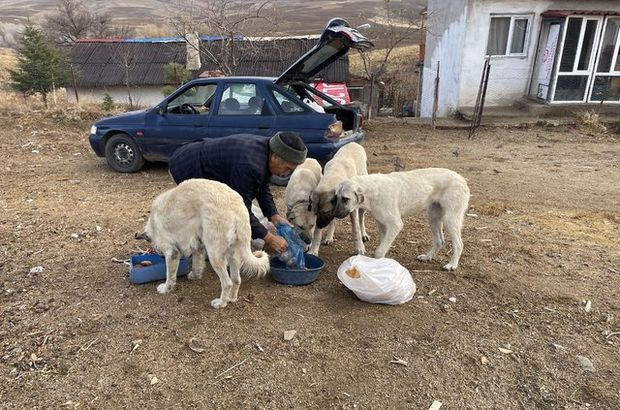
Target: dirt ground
540,241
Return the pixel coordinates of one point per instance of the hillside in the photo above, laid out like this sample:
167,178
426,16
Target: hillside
296,16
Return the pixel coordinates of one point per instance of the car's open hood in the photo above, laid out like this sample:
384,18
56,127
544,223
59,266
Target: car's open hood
337,38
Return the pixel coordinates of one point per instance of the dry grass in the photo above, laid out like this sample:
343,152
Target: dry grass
400,78
401,59
8,60
588,227
589,121
14,105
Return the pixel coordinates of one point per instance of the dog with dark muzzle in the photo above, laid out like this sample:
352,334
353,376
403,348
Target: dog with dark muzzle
390,197
349,161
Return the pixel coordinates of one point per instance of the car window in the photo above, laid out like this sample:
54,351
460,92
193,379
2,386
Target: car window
288,105
194,100
241,99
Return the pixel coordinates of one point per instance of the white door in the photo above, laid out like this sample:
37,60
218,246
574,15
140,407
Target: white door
576,63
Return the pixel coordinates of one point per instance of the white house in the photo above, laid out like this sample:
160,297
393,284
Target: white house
553,52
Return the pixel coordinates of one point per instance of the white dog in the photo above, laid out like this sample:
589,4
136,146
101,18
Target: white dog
303,181
349,161
202,216
391,197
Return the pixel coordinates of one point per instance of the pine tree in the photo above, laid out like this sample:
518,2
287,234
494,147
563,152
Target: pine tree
40,65
176,74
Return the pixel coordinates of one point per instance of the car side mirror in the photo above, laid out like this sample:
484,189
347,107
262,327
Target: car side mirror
161,110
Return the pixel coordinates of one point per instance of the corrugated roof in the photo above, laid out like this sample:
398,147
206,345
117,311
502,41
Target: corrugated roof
566,13
98,63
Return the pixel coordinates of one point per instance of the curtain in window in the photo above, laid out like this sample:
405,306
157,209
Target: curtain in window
498,36
518,36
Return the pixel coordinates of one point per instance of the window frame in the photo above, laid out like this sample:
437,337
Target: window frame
526,42
615,58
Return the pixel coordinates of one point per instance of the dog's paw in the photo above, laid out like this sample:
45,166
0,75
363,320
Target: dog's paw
163,288
194,276
424,258
328,241
450,266
218,303
361,250
365,237
313,252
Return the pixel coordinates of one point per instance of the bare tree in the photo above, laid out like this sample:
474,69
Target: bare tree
127,68
73,20
228,21
397,25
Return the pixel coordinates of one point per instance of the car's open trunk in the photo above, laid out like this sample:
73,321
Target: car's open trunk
347,114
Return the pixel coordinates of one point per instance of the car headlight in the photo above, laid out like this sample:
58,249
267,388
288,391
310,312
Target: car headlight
93,129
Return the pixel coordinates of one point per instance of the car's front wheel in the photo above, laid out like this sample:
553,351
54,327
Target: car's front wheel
123,154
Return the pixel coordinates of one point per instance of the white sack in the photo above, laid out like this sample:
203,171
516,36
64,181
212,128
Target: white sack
380,280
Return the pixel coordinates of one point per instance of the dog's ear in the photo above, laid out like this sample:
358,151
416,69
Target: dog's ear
314,202
359,195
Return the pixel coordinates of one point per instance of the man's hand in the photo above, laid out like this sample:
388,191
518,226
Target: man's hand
279,219
275,242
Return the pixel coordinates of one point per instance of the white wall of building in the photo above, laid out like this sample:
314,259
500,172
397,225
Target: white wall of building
461,41
444,43
144,96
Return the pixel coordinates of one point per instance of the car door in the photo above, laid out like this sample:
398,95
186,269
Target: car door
241,107
182,118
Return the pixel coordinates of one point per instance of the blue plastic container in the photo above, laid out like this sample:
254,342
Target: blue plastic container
296,276
155,272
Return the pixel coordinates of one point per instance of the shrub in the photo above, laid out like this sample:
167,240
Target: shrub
589,121
108,102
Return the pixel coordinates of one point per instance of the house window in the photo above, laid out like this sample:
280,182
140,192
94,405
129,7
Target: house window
508,35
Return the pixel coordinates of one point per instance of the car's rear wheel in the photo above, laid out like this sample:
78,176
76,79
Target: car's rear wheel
123,154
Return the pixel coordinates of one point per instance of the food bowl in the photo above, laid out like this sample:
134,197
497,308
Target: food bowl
296,276
154,272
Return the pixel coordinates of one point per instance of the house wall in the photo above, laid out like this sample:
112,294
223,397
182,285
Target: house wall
509,78
145,96
457,37
445,37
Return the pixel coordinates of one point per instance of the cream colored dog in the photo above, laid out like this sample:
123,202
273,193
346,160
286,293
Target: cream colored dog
349,161
303,181
391,197
202,216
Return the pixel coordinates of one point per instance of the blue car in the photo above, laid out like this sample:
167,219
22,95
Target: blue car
222,106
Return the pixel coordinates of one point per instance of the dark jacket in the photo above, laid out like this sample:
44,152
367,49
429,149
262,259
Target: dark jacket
240,161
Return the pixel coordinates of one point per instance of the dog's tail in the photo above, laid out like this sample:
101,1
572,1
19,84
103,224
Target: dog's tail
255,264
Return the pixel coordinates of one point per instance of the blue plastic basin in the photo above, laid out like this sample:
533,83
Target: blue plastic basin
295,276
155,272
